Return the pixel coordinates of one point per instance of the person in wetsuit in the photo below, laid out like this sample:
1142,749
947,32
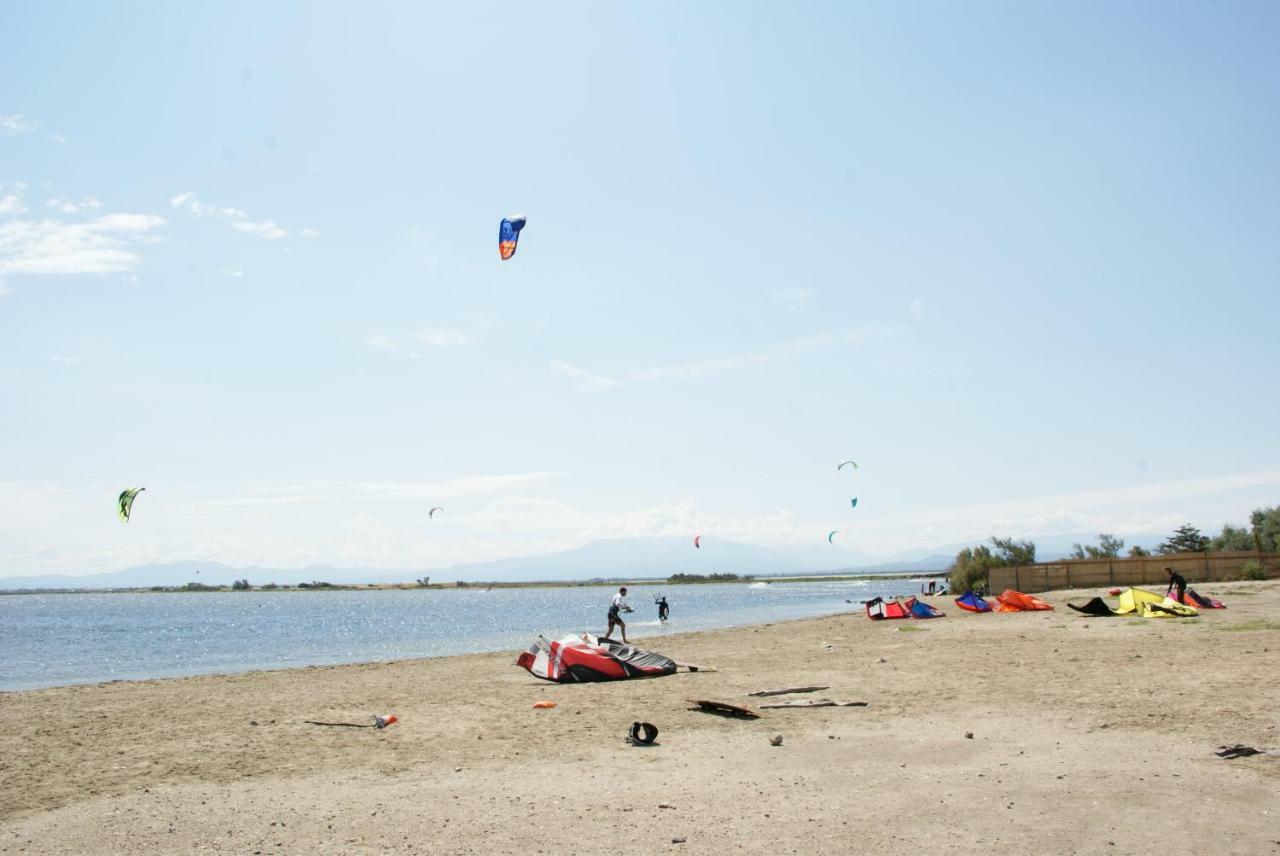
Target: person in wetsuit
616,607
1176,580
663,609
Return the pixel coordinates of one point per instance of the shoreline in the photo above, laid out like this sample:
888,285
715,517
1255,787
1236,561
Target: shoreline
1079,724
466,586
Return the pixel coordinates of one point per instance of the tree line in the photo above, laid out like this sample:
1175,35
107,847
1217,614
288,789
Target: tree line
972,565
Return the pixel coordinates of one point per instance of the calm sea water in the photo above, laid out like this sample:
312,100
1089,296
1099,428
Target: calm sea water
58,639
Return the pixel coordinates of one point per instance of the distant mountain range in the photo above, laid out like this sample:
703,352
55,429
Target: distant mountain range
629,558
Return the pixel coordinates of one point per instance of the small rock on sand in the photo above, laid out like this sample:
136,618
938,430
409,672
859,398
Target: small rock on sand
775,740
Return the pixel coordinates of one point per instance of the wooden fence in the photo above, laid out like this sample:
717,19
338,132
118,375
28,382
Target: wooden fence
1139,570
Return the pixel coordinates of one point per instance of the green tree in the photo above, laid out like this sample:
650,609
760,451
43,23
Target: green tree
1136,551
1015,552
972,566
1265,523
1109,547
1232,538
1185,539
241,585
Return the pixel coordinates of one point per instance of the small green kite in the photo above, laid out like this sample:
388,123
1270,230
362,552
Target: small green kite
124,505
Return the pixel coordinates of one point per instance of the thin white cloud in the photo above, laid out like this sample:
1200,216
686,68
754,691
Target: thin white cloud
308,233
265,229
15,124
443,338
354,492
792,295
66,361
70,206
104,244
58,138
381,343
234,217
783,350
236,274
584,379
917,308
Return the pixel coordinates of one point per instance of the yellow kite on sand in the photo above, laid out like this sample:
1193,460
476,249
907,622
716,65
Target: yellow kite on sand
1148,604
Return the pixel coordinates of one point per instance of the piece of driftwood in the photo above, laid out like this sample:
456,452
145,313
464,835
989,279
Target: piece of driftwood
785,690
338,724
722,708
693,667
813,702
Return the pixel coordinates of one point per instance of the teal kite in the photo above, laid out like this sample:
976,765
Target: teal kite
831,536
124,504
842,465
853,503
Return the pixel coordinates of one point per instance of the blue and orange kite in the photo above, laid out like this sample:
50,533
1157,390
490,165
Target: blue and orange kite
508,235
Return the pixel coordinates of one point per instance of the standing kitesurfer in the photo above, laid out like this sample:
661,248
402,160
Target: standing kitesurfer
618,606
663,609
1176,580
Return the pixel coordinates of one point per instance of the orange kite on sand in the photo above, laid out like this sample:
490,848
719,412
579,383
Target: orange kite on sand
1015,601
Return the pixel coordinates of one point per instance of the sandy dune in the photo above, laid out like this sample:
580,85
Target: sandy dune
1089,736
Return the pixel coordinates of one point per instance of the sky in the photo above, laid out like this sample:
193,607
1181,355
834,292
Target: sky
1019,261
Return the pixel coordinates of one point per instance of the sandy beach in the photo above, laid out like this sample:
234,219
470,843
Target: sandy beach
1088,736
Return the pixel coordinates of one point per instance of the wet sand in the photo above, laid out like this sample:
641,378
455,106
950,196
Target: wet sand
1089,735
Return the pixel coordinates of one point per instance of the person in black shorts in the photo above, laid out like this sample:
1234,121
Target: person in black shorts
663,609
1176,580
616,607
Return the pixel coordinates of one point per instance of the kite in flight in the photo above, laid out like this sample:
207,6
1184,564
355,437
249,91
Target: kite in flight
846,464
124,503
508,235
697,541
432,512
853,503
831,536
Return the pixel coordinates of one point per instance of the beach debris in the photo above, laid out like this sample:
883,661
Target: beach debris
785,690
968,735
694,667
509,235
378,722
1239,750
642,734
665,805
882,660
543,705
812,702
678,840
775,740
722,708
124,502
253,722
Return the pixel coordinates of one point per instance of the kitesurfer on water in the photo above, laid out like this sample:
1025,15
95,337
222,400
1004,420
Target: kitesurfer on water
1176,580
663,609
615,608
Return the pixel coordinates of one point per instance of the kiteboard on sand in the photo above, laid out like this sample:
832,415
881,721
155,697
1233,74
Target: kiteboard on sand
722,708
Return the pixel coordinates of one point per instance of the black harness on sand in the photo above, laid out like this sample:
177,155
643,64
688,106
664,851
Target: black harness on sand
642,734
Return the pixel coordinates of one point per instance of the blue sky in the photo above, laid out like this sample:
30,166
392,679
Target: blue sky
1017,260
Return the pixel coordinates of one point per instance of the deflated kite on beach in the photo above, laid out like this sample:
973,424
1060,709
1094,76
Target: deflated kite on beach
1015,601
586,658
972,602
879,609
